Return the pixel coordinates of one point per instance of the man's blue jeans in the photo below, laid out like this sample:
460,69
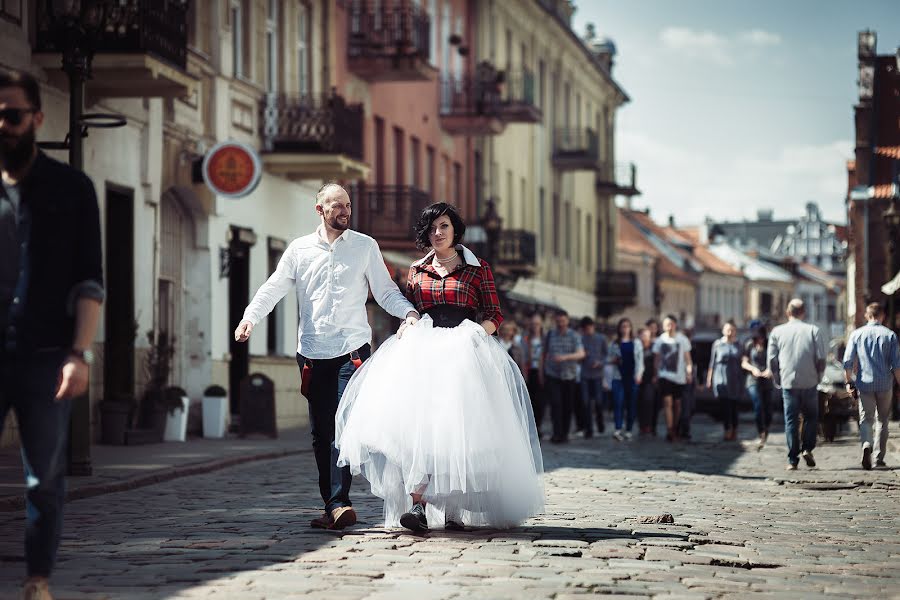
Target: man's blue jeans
800,402
762,406
28,388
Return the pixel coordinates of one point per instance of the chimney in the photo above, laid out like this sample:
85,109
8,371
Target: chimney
672,221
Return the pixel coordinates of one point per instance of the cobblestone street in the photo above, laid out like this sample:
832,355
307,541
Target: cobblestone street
742,527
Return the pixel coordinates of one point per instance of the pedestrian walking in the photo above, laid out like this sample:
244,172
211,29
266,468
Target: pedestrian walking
871,367
796,359
464,451
674,368
595,349
759,382
724,377
563,350
331,271
51,290
533,343
648,399
507,335
626,355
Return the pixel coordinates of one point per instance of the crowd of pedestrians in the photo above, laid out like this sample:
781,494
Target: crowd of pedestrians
586,373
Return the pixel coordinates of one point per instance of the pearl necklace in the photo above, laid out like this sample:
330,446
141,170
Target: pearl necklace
444,261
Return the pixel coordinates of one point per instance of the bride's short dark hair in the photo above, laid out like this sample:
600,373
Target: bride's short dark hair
438,209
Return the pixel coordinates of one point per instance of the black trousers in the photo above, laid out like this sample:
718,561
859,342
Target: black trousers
329,378
563,396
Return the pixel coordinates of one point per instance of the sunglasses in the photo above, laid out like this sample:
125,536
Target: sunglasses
14,116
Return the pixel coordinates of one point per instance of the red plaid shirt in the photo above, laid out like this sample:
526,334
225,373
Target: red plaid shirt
468,286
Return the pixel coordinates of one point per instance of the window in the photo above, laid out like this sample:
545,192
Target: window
456,198
272,46
509,47
541,74
556,224
445,178
433,15
524,202
457,57
429,171
237,38
379,151
11,10
399,175
588,241
577,236
567,232
303,54
542,239
275,321
445,33
415,168
479,182
765,304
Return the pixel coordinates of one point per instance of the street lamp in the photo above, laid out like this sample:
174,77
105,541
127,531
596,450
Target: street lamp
75,26
492,223
891,219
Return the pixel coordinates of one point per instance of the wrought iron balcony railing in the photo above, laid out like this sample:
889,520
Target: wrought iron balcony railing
398,32
312,124
389,212
156,27
491,93
519,99
618,178
516,250
576,149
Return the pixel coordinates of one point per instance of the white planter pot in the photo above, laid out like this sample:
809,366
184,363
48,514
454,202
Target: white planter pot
176,422
215,415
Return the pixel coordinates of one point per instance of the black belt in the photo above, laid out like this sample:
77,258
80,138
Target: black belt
447,315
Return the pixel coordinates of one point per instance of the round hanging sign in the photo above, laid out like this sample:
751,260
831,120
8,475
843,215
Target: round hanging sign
232,169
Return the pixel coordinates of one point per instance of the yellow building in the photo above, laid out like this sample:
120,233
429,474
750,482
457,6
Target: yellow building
551,168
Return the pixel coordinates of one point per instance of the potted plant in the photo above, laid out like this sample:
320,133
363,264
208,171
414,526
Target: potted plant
157,369
177,403
215,411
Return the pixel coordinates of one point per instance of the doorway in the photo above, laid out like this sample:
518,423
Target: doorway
238,298
119,326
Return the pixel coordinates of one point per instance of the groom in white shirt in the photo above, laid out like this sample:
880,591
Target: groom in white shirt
331,271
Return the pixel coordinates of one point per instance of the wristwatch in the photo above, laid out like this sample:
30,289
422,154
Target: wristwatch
85,356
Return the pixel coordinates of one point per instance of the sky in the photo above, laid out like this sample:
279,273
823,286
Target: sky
738,106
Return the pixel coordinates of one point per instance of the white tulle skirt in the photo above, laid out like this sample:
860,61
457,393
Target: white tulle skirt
443,412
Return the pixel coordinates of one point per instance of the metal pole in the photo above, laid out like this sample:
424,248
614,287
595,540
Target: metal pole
80,421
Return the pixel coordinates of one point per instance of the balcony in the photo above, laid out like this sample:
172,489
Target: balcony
575,149
618,179
615,291
470,106
312,137
389,212
518,103
389,42
142,53
515,254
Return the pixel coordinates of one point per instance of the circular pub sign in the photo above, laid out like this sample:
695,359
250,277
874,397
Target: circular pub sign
232,169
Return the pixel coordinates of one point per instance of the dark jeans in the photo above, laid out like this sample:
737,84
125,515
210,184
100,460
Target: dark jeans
624,401
329,380
536,393
688,402
729,412
28,388
562,394
648,407
761,396
800,402
592,401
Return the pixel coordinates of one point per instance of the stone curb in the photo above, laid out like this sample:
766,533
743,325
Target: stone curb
14,503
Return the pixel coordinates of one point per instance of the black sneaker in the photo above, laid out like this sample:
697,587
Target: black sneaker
881,464
808,457
867,458
415,519
451,525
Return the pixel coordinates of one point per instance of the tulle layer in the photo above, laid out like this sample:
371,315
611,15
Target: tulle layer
443,412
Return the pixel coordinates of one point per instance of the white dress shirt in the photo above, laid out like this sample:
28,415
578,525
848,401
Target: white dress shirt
332,283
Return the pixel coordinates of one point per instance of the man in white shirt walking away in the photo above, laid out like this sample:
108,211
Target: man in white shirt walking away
874,355
331,272
796,359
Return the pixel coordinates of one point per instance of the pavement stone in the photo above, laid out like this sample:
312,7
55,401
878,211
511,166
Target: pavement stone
742,530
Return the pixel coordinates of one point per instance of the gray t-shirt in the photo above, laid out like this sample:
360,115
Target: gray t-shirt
796,355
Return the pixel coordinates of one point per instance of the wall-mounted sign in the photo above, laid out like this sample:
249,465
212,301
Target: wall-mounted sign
232,169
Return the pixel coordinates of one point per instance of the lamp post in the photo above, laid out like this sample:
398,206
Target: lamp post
891,219
75,26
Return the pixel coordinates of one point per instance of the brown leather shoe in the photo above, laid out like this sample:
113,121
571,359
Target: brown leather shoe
343,516
322,522
36,588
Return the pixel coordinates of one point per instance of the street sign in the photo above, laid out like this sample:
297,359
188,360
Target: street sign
232,169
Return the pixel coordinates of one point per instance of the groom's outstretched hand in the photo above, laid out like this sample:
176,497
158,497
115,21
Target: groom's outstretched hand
411,319
242,333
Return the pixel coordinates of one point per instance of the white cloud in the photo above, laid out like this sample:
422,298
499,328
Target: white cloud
692,184
760,37
697,44
714,47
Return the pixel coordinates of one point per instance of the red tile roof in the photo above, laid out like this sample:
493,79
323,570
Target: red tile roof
888,151
665,267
